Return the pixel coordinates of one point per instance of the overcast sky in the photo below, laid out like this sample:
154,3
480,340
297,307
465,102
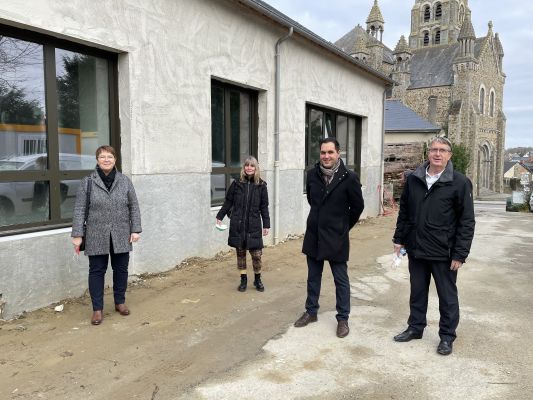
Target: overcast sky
511,18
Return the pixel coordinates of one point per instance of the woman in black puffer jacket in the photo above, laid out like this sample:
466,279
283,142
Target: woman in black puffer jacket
247,202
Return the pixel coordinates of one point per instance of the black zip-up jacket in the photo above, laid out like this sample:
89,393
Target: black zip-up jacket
248,203
335,209
436,224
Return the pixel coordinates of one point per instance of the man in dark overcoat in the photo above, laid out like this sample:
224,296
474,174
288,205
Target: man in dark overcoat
336,201
436,226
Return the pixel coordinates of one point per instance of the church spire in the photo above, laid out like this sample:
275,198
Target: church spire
467,38
375,22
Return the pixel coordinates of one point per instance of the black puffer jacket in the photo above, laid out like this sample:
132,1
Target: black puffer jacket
335,209
436,224
249,205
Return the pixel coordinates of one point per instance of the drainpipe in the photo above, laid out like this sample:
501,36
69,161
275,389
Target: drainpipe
276,135
380,200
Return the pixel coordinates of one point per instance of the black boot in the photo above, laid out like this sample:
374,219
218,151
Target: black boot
258,284
244,282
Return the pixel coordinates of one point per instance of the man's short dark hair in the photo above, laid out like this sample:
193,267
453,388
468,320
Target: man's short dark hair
331,140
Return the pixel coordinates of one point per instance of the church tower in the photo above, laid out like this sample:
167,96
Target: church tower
436,22
375,22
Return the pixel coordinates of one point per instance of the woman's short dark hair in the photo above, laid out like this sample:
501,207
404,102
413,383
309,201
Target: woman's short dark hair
107,149
330,140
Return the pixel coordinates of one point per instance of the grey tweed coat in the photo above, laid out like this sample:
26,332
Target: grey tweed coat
113,214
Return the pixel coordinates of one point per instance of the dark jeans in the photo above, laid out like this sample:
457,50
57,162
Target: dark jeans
445,281
97,270
342,286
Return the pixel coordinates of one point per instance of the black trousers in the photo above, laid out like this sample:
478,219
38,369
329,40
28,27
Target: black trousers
342,287
97,270
445,281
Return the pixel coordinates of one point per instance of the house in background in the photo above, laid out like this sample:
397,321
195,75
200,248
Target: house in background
184,90
406,135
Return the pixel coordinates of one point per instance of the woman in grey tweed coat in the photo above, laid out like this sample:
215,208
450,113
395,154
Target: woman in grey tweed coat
113,224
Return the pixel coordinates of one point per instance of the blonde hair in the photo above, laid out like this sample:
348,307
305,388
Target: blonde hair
253,162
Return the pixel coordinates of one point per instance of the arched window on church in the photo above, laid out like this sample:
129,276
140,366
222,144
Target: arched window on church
426,38
438,11
427,13
373,31
437,37
482,101
461,14
491,104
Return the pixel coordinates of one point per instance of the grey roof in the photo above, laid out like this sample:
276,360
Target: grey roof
277,16
348,41
400,118
507,165
433,66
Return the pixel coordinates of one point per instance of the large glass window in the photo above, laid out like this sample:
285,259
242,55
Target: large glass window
322,123
233,134
56,108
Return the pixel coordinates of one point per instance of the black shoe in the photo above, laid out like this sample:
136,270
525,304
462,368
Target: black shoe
258,284
407,335
445,347
244,282
342,328
305,319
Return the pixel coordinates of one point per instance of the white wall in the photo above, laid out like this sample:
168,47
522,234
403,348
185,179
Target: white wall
170,51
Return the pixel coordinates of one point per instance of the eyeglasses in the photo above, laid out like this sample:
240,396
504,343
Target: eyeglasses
106,157
440,151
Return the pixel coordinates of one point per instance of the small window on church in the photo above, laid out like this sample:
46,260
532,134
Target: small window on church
432,109
491,104
426,38
437,37
438,11
482,101
427,14
461,14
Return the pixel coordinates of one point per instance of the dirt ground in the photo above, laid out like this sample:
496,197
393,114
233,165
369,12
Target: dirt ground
191,327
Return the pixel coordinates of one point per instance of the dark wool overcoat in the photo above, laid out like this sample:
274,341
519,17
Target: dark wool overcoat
436,224
335,209
113,213
248,203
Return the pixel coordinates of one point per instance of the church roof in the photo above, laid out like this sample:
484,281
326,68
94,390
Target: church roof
348,42
400,118
433,66
375,14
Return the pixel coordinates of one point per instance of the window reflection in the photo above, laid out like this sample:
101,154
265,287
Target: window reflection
68,190
22,102
24,202
83,107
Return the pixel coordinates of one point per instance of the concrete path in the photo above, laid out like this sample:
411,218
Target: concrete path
492,356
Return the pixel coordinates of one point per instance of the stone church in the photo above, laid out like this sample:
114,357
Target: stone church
447,75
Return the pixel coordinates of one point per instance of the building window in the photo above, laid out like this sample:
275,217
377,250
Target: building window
432,109
461,14
482,101
491,104
427,14
323,123
437,37
426,38
438,11
57,105
233,134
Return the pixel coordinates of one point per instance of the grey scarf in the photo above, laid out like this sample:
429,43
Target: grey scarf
328,173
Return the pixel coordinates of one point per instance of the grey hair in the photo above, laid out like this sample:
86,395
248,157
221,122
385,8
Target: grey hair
442,140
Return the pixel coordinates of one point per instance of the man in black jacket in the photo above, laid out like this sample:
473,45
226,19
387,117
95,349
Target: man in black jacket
336,201
436,226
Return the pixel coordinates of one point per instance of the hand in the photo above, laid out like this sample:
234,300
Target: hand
134,237
396,249
219,222
76,241
265,231
456,265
